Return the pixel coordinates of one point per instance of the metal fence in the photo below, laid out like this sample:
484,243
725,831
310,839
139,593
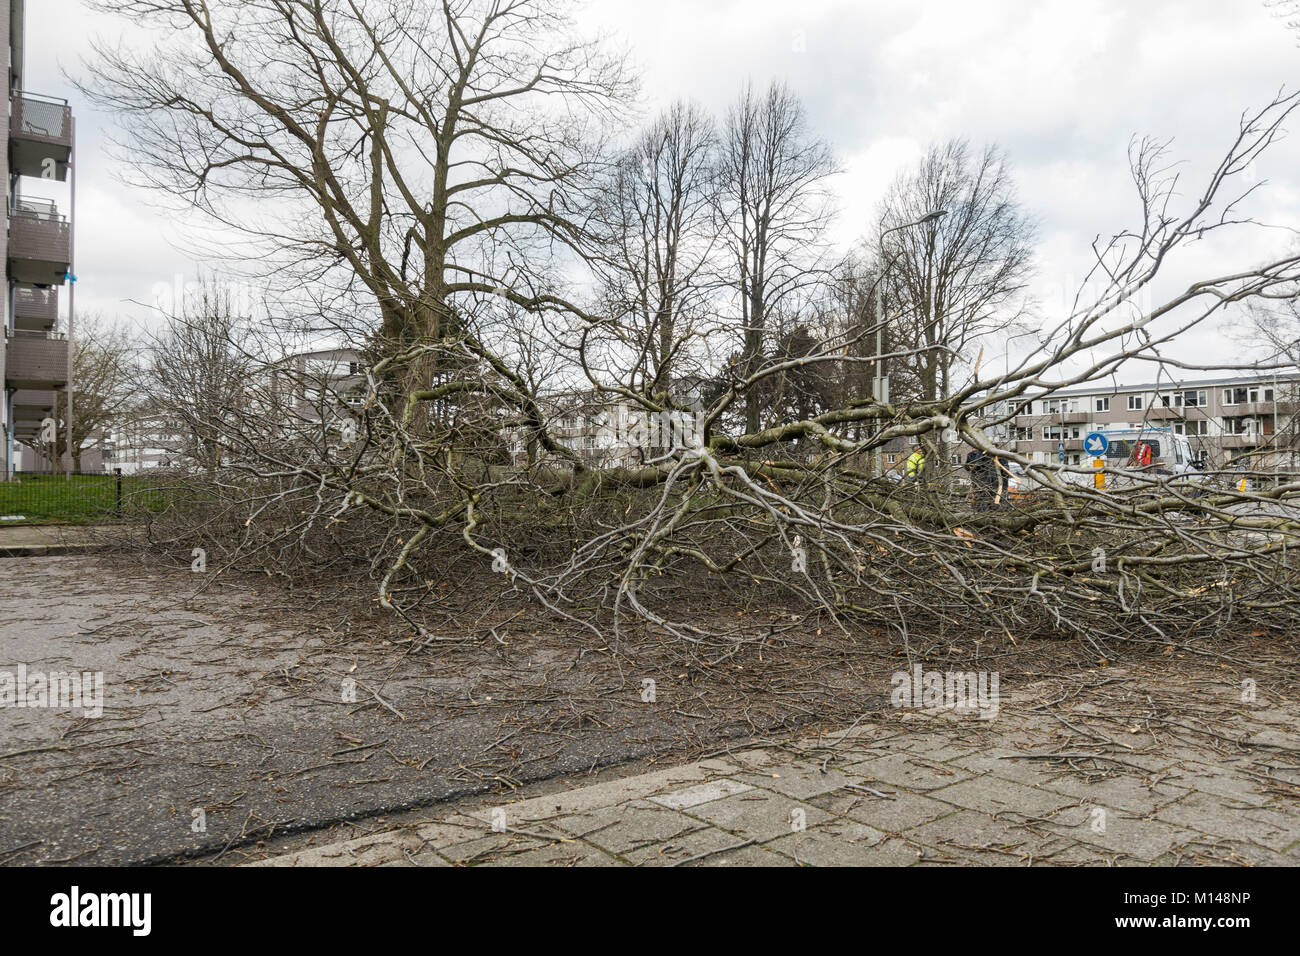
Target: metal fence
45,498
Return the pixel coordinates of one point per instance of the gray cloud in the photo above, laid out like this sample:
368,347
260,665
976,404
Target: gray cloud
1061,85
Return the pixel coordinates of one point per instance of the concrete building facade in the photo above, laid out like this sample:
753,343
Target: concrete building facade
1225,419
36,248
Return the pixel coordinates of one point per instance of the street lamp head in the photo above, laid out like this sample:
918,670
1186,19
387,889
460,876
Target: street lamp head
934,216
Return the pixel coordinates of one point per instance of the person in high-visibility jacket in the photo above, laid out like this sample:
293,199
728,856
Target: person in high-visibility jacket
914,466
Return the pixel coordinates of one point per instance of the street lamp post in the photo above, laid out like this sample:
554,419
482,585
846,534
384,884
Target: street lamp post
880,380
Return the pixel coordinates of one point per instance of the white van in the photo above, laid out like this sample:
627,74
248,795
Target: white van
1157,452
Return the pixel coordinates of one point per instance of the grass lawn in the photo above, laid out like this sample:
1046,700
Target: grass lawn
55,499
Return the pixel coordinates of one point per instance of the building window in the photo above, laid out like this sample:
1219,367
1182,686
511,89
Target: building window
1199,426
1135,403
1060,432
1059,406
1252,395
1103,404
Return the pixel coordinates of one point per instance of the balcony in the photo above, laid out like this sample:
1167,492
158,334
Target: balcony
40,243
1165,413
1241,440
35,360
40,137
35,310
31,407
1261,409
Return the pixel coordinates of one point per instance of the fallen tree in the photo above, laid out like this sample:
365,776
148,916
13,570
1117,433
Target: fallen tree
437,167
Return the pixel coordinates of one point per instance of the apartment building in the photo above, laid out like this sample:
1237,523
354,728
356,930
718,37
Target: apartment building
1225,418
36,248
1248,419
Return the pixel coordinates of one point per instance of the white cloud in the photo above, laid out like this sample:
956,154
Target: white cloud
1062,85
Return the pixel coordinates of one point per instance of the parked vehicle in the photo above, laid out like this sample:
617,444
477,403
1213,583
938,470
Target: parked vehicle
1131,455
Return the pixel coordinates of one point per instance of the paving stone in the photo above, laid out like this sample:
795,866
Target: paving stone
798,780
738,762
703,793
909,771
427,858
992,795
1125,793
1220,816
757,815
942,749
373,850
889,816
838,738
494,846
629,826
1219,781
1008,765
744,856
994,842
1206,850
1123,832
561,855
597,795
837,843
457,828
685,847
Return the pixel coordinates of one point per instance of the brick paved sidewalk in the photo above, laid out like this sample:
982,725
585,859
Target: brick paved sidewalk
910,787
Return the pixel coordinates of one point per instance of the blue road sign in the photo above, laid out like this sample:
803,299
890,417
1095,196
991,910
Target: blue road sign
1096,443
1060,450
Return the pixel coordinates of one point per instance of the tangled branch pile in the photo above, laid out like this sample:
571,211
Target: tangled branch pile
439,173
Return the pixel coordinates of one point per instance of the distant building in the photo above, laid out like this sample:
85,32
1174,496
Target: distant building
1224,418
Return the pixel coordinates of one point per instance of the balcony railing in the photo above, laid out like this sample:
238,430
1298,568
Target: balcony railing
35,360
40,241
36,309
1164,412
40,136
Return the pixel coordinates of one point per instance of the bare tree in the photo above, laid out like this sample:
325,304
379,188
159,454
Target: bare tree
443,163
773,210
103,367
421,156
196,381
956,279
658,211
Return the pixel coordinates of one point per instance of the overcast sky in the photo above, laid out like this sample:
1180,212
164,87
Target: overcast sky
1062,86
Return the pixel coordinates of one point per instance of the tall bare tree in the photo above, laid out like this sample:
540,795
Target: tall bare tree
421,155
659,208
773,211
955,279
